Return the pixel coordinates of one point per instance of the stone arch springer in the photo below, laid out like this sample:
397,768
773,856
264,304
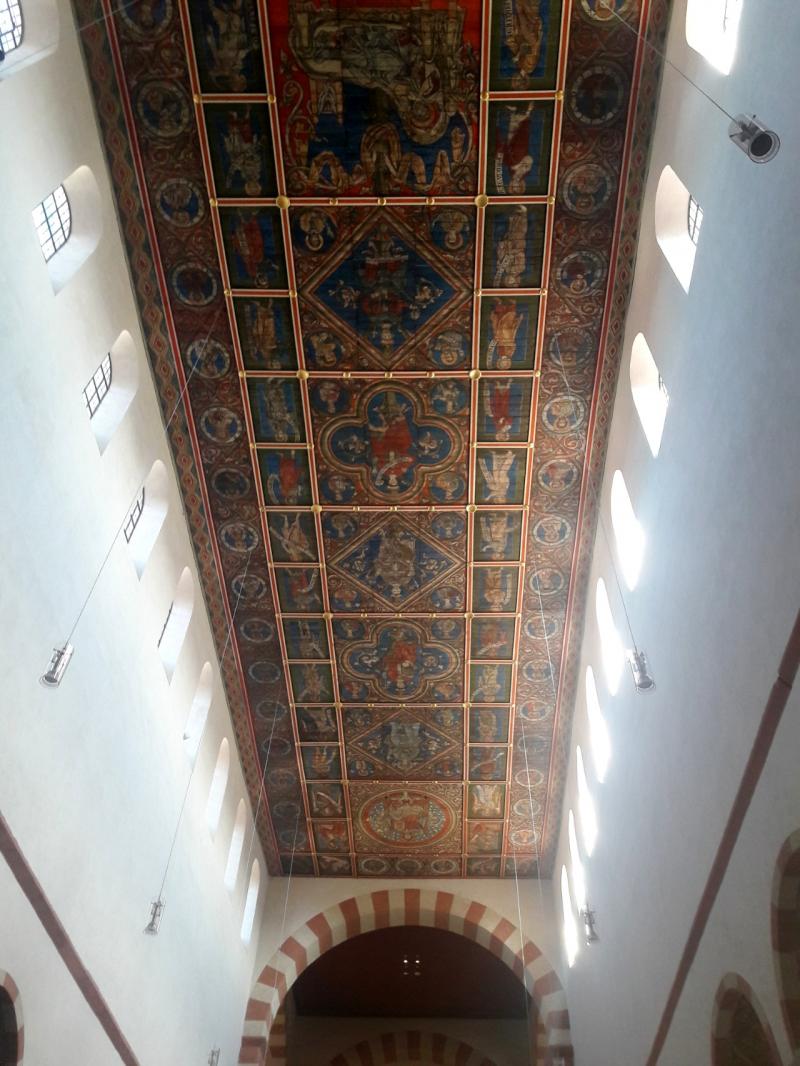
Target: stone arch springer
733,990
397,907
412,1045
785,925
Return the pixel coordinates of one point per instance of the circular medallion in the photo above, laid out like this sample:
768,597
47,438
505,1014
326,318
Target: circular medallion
406,818
448,526
603,10
239,536
337,488
533,745
564,414
522,838
542,626
313,230
193,283
220,425
444,867
581,273
571,348
339,526
230,483
558,476
208,358
285,811
552,529
270,710
408,867
587,189
264,672
447,598
373,866
597,95
448,629
449,349
538,672
292,839
163,109
533,711
248,587
147,19
257,630
280,747
449,397
546,581
527,807
180,202
323,349
448,487
282,778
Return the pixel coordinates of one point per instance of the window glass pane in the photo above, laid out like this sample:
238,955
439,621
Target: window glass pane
10,25
649,392
96,389
52,220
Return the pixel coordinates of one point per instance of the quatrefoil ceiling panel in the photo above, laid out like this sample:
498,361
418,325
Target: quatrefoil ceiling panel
382,254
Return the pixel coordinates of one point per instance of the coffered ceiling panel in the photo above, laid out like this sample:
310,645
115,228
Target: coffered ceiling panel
381,252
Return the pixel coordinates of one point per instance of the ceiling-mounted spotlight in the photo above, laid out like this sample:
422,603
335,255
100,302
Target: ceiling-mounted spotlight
156,910
57,666
750,134
589,928
642,677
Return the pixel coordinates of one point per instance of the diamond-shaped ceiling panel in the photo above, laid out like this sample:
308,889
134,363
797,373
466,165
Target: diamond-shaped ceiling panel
375,249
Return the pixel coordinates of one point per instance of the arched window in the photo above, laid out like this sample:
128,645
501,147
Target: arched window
578,873
219,782
598,730
235,850
649,392
251,902
53,221
28,33
741,1032
672,226
786,935
176,624
570,925
10,27
110,390
198,712
586,807
628,533
147,516
10,1022
712,29
610,644
69,223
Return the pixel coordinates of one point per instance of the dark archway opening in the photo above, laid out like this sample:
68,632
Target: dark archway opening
9,1038
405,977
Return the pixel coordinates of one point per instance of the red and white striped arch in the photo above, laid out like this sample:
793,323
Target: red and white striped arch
8,984
398,907
734,991
786,934
412,1045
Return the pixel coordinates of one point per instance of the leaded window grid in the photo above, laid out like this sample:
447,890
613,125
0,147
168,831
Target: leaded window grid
53,221
96,389
10,26
694,220
132,521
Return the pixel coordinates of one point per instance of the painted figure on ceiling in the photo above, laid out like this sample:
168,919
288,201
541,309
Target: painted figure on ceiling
245,153
498,589
513,151
390,440
496,469
510,265
505,321
228,44
524,32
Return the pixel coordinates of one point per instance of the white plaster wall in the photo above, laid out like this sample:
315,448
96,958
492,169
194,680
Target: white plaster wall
93,774
720,585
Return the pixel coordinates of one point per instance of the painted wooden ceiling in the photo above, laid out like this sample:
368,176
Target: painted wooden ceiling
381,252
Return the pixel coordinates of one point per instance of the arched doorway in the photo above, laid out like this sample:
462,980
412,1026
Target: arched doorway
405,907
786,935
11,1031
741,1035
